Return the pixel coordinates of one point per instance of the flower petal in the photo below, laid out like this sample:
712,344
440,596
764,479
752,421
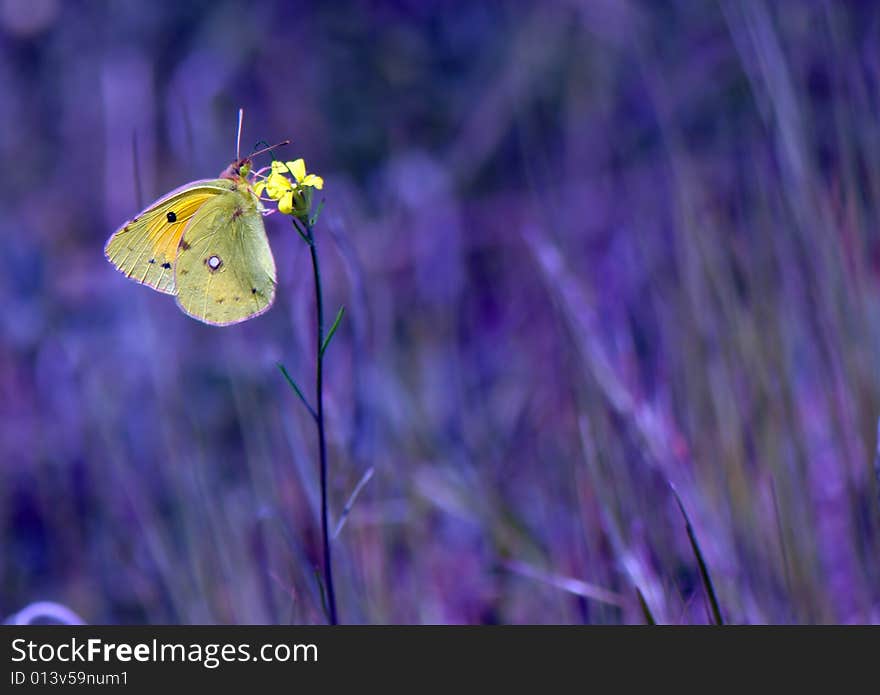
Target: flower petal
259,187
313,180
285,205
298,169
277,186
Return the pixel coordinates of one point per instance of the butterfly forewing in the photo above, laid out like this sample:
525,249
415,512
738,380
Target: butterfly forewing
225,272
145,248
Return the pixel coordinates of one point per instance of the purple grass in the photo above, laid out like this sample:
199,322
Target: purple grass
586,249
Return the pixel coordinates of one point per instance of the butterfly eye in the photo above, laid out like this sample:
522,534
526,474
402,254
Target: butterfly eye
171,217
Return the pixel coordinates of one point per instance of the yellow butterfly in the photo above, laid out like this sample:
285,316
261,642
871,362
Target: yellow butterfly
206,244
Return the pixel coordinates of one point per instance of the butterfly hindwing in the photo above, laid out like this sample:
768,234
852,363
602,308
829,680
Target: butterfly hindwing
145,248
225,272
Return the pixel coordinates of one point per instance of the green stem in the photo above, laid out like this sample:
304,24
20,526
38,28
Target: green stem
319,419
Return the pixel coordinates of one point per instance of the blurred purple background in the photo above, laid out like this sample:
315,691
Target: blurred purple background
587,249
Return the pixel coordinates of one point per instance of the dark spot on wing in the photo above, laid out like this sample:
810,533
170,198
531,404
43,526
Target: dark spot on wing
237,299
183,271
152,260
220,300
184,245
238,212
171,217
253,290
166,265
214,263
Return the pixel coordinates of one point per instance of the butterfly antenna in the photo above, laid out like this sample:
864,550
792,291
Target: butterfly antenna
238,137
269,149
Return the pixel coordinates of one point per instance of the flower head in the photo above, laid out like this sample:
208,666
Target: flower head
290,185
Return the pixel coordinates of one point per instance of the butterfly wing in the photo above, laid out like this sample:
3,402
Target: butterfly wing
225,272
145,247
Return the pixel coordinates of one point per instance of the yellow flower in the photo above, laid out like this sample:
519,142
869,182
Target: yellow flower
293,196
297,169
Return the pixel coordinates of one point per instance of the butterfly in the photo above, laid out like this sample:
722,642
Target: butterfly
204,243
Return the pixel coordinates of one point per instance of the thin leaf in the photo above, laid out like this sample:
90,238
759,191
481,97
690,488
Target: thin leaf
314,218
298,391
339,315
301,233
701,563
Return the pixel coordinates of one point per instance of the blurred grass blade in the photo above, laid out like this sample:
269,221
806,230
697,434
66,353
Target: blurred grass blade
781,534
320,580
877,463
571,585
351,500
701,563
646,610
332,331
298,391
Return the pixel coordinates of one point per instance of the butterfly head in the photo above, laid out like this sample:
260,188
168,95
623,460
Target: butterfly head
240,168
237,170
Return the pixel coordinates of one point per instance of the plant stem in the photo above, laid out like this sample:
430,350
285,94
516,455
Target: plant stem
319,419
